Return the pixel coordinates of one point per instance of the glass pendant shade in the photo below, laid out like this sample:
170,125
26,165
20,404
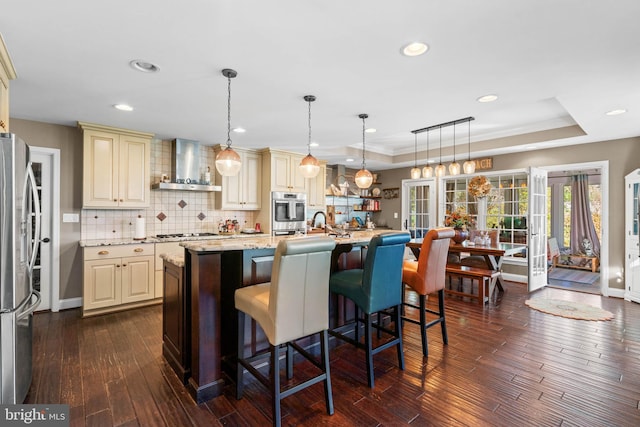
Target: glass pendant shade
309,166
228,162
427,172
441,170
415,173
364,178
469,166
454,168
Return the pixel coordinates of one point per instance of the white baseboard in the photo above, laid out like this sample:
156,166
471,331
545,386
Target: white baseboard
66,304
616,293
515,277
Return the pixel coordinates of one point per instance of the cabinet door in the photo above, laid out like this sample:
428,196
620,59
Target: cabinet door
100,171
134,174
316,188
280,165
102,283
251,187
232,191
296,180
138,279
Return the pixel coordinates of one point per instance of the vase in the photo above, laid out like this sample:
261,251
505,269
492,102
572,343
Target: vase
460,236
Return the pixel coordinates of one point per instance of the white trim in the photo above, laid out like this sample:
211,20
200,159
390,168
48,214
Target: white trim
604,187
69,303
616,293
55,221
511,277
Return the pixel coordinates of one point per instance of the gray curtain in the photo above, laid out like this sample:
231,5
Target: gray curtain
581,221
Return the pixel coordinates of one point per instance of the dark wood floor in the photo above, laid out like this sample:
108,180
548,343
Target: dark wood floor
504,365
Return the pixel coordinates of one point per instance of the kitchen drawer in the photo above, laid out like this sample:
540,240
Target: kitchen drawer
118,251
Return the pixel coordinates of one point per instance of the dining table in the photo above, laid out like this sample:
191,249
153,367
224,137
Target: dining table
493,254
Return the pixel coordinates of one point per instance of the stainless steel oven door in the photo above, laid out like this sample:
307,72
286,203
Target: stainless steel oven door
289,213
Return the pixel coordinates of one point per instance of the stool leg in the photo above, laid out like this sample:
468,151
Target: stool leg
368,349
423,325
398,333
357,330
275,384
324,349
239,367
378,331
289,361
443,324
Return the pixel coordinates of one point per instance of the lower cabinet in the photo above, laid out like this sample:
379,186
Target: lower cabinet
117,278
175,321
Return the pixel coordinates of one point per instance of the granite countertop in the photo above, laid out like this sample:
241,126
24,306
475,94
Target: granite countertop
131,241
177,260
267,242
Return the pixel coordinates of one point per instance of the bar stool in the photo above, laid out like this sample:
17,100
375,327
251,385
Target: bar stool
294,305
427,275
376,287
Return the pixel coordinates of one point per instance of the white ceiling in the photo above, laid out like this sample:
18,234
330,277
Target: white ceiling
556,65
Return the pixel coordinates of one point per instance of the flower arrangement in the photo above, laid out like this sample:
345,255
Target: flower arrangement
479,186
458,219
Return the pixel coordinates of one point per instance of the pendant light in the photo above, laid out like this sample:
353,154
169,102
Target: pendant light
309,166
469,166
440,169
415,171
427,171
454,168
363,178
228,162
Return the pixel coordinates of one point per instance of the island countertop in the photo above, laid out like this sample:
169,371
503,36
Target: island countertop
270,242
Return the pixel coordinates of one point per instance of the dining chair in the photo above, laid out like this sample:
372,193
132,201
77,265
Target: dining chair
426,276
374,288
294,305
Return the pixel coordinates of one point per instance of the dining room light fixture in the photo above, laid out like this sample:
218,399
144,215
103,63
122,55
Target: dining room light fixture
309,166
363,177
454,167
440,169
228,162
427,171
415,171
469,166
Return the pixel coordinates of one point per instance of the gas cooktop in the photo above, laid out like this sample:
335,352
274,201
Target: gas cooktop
167,236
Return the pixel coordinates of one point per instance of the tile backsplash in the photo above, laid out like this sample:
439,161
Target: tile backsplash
169,211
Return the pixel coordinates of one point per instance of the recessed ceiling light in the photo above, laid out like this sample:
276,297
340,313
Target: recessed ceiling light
144,66
123,107
616,112
314,144
349,159
370,130
487,98
415,49
239,130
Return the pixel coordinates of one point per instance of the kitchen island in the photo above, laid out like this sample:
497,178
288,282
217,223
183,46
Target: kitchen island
213,271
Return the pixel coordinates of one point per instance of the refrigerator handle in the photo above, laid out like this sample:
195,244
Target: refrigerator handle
31,308
36,213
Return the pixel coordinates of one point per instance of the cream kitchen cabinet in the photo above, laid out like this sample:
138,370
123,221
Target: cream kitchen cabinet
116,168
281,169
7,72
117,278
316,190
243,191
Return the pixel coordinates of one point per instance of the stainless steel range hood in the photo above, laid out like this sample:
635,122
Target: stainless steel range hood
186,170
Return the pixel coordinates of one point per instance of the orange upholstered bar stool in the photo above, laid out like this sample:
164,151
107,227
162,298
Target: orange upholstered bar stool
426,276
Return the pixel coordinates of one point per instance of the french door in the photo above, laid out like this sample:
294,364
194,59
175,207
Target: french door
537,238
418,206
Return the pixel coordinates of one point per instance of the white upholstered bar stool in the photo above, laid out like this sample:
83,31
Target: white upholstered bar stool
294,305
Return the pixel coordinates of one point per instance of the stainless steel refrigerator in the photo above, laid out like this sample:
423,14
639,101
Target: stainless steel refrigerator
19,239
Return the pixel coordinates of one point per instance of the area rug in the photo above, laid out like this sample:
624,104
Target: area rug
571,275
569,309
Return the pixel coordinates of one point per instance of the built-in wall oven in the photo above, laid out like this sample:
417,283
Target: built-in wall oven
289,213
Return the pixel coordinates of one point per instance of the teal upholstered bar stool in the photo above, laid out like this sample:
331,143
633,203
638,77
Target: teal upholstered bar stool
294,305
374,288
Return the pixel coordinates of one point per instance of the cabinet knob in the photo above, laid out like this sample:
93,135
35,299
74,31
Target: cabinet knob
121,200
138,250
124,265
103,253
117,265
115,200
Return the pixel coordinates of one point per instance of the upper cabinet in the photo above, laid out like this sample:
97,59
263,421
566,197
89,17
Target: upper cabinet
7,72
243,191
282,170
316,189
116,169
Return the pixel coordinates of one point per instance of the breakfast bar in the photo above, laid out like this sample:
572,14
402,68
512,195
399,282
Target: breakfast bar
214,269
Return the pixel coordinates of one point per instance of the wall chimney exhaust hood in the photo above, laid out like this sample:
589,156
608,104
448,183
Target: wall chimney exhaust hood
186,173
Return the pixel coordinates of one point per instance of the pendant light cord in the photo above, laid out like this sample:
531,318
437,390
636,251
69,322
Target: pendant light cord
440,146
427,148
309,143
415,150
454,143
363,132
229,112
469,140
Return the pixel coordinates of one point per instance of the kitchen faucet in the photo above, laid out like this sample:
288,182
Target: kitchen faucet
313,220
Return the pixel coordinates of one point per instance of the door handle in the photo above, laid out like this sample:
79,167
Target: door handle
45,240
